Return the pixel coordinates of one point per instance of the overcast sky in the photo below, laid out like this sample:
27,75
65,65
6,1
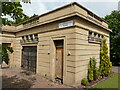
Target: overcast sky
99,7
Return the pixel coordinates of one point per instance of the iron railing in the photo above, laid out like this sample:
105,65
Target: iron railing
94,39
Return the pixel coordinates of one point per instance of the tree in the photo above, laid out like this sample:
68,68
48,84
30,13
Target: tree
5,55
15,11
105,64
93,71
90,70
35,15
114,23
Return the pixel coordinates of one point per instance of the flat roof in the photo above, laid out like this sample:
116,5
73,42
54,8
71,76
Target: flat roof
59,9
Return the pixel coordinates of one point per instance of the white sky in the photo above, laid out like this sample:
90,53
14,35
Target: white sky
99,7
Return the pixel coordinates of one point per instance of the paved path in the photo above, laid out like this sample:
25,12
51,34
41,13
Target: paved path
16,78
116,69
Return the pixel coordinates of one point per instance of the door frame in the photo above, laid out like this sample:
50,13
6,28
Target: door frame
53,57
61,49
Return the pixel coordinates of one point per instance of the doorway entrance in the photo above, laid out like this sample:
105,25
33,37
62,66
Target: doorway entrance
29,58
59,59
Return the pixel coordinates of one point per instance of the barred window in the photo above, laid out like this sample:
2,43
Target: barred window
94,37
29,38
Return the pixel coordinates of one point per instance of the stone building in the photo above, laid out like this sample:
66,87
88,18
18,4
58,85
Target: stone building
57,44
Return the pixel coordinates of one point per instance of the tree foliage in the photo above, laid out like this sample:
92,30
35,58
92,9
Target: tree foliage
5,55
105,64
15,11
33,16
114,23
91,69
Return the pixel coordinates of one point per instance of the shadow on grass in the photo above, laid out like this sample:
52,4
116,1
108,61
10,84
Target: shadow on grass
15,82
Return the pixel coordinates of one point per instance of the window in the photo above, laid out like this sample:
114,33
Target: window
101,36
36,36
23,38
99,39
95,34
90,34
98,35
31,37
27,39
94,37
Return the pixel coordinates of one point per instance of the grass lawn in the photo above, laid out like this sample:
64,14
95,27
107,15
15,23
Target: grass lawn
111,82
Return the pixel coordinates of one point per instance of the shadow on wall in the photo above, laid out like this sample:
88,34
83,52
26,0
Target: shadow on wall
15,82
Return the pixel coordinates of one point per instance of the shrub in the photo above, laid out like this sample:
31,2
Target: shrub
93,72
90,74
105,64
90,69
96,74
84,81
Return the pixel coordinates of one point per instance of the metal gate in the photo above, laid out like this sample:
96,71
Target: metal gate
29,58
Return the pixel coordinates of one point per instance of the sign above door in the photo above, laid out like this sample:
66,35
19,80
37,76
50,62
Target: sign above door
66,24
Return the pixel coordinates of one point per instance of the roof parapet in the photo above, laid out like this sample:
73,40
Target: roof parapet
53,14
9,28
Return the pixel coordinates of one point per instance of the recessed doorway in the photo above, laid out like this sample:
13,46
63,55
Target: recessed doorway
29,58
59,45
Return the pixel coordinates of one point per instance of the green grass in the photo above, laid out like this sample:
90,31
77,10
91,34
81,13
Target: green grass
111,82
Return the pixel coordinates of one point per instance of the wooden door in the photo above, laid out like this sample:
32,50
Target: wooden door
29,58
59,63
